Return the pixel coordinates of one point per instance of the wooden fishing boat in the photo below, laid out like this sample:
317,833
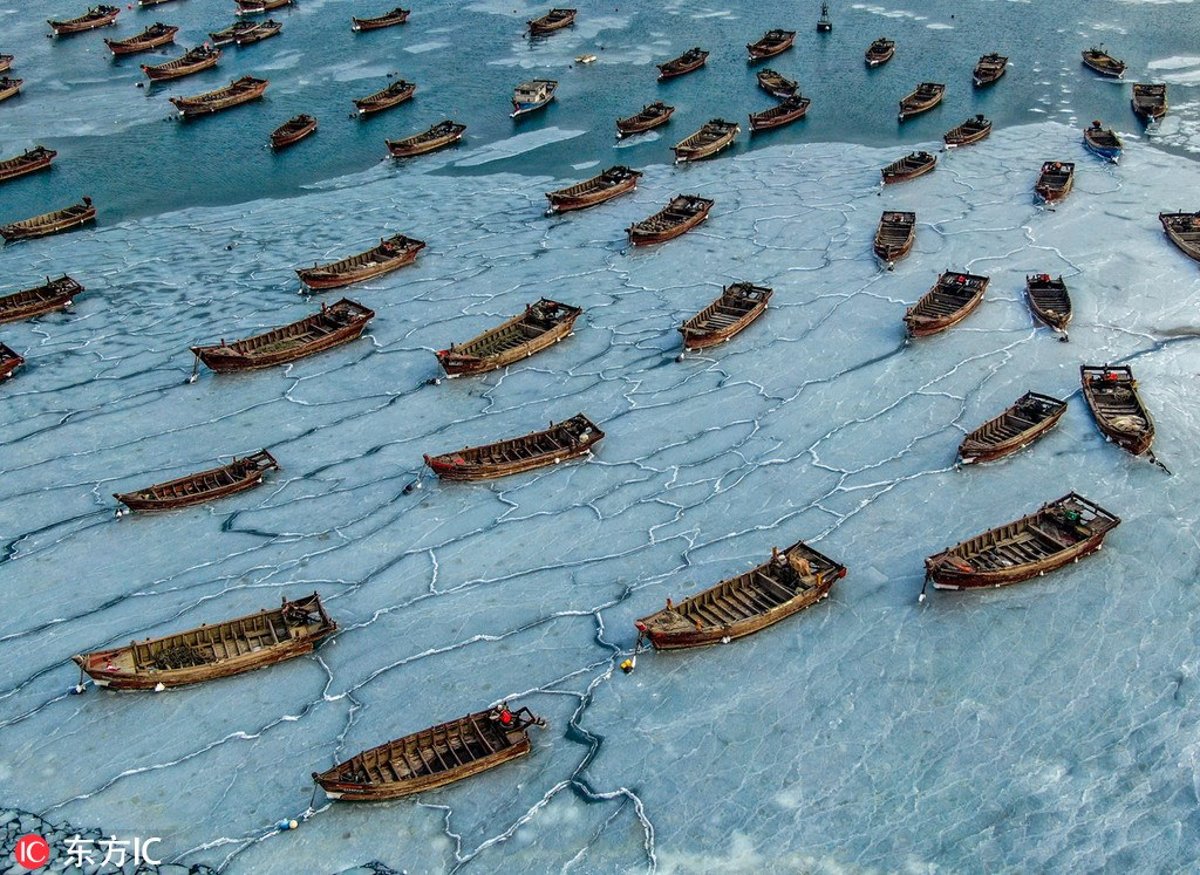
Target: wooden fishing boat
238,476
1059,532
258,7
96,16
776,84
1055,181
910,166
385,98
1103,63
651,116
293,131
787,583
894,236
6,63
880,52
29,161
51,223
947,303
10,360
971,131
1149,101
785,112
1183,229
443,134
229,34
738,306
1049,301
391,254
148,3
336,324
989,69
192,61
261,31
542,325
692,59
155,35
611,183
926,96
236,93
1112,395
1102,142
54,295
10,87
824,23
684,212
716,135
210,652
432,757
388,19
773,42
1029,418
555,19
567,440
532,95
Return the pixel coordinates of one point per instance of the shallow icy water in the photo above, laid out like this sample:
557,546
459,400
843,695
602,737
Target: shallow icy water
1044,727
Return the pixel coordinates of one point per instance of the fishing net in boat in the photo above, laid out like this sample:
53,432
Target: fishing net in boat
178,656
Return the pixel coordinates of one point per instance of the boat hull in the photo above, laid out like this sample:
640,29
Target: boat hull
1105,70
645,238
771,119
562,203
916,108
348,792
9,361
301,639
462,365
891,176
337,281
365,24
520,109
67,28
223,363
120,49
159,74
1029,547
1117,417
447,470
1107,151
684,154
634,125
38,308
22,168
980,450
139,502
1189,247
744,604
283,139
190,108
952,580
403,149
12,233
734,631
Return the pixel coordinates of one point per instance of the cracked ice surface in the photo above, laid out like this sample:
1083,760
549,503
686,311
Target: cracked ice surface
1049,726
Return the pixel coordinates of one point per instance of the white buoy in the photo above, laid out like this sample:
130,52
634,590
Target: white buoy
159,687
